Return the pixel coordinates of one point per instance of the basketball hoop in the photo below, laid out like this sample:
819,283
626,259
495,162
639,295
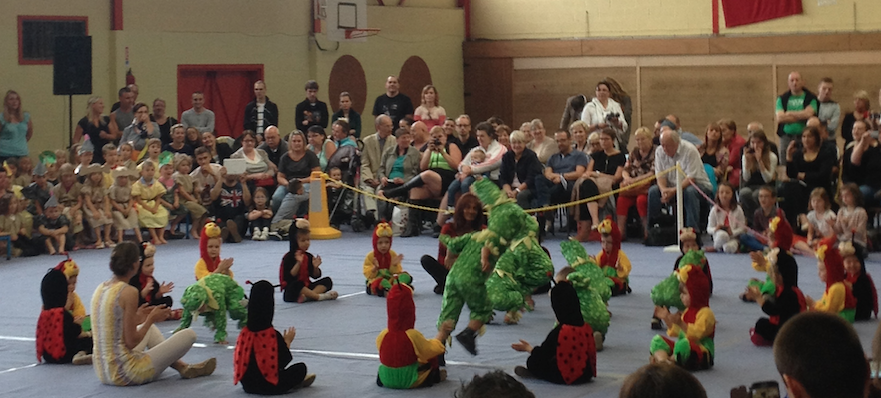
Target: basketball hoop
361,33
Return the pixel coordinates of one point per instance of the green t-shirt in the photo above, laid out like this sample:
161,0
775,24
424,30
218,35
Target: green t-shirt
796,103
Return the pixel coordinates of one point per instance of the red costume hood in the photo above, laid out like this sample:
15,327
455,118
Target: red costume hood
609,227
396,349
210,230
782,232
382,230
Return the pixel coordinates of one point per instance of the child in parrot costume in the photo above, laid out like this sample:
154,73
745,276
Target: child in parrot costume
666,293
382,264
614,263
213,296
568,355
860,281
695,326
838,297
784,303
780,241
59,338
592,287
210,240
407,359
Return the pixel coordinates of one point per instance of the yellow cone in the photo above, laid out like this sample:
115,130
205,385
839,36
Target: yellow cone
318,215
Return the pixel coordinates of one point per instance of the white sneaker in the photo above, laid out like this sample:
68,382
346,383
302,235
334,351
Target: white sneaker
256,235
265,234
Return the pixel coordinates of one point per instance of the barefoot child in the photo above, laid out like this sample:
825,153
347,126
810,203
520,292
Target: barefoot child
187,194
260,216
262,354
382,264
614,263
726,222
299,267
125,215
151,214
54,228
695,327
97,206
407,359
568,354
838,297
59,338
859,280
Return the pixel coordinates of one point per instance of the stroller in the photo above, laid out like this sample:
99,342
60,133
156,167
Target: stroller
345,205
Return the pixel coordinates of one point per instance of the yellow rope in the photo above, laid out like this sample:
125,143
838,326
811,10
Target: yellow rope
540,209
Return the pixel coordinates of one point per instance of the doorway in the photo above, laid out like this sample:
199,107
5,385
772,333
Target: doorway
227,89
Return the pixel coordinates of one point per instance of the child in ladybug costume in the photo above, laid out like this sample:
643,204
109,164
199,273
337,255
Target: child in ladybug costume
59,338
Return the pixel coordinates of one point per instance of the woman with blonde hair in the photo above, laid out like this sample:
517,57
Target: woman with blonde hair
640,166
543,146
861,106
430,112
16,128
96,127
578,129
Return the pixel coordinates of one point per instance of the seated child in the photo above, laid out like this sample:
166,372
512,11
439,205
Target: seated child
125,214
85,154
231,200
23,171
151,214
74,305
171,199
819,223
125,155
462,181
382,264
298,267
756,238
407,359
695,327
592,287
54,228
850,224
67,193
11,224
59,338
838,297
39,191
111,161
150,291
54,161
781,304
859,280
726,222
262,354
97,206
780,237
187,195
568,355
152,151
209,252
614,263
666,293
337,198
260,216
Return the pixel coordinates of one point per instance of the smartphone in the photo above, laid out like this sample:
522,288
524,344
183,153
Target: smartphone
765,389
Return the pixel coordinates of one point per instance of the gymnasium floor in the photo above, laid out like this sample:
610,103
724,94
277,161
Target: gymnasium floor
337,339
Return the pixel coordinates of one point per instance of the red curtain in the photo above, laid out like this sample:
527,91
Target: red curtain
226,94
745,12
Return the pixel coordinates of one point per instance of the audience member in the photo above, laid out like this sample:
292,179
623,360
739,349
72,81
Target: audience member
371,158
261,112
578,129
602,112
141,129
420,135
297,165
826,144
164,121
617,93
219,150
861,106
673,121
393,103
714,153
16,128
123,116
321,146
861,163
759,170
794,108
563,168
346,112
467,140
399,163
808,168
503,135
520,167
484,160
205,176
830,111
94,125
572,111
311,112
820,355
178,143
259,170
430,111
198,116
134,89
542,145
453,134
640,166
604,172
735,143
273,145
672,151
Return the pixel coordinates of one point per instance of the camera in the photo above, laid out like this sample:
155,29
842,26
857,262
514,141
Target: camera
436,142
612,116
761,389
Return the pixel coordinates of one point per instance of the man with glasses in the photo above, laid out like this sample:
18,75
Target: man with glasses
466,137
273,144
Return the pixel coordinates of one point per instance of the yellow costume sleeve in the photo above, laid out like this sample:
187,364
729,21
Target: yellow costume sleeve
395,268
703,326
202,270
425,349
369,272
762,267
380,338
78,310
673,330
624,271
833,299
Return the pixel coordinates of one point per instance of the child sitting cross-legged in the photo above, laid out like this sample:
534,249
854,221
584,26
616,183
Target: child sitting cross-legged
382,264
54,228
260,216
860,282
59,338
150,291
299,267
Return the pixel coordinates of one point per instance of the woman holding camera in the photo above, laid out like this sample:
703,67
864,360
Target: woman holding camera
759,169
440,162
603,111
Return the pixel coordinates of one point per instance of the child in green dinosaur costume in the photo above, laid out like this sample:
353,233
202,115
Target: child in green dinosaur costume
591,285
212,297
695,326
666,293
478,253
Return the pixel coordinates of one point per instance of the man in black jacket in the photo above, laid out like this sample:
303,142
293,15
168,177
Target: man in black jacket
261,112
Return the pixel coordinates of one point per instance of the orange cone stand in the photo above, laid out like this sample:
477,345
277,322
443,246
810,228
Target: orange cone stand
318,213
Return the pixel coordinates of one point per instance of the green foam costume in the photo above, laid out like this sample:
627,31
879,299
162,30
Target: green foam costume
592,287
666,293
219,294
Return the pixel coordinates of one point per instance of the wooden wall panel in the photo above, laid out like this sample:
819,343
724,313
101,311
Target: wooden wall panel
542,94
488,88
703,94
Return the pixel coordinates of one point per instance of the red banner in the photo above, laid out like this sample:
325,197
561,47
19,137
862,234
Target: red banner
745,12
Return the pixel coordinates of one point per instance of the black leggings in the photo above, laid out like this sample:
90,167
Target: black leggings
292,291
288,378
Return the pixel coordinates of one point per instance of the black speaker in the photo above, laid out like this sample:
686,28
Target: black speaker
72,65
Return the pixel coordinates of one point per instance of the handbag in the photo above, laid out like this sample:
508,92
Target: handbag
636,191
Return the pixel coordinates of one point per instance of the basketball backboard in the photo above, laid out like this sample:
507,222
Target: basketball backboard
346,20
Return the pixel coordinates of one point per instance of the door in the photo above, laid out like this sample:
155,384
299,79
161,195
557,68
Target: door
227,89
